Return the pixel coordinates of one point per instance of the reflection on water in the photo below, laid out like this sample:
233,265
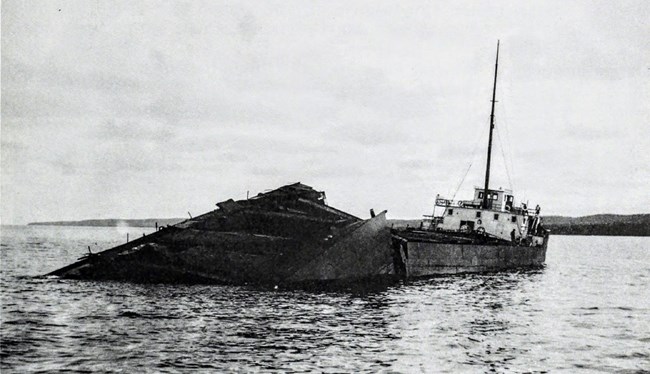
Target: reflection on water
572,315
469,321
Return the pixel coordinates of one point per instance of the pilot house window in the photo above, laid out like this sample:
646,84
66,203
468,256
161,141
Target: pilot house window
450,211
478,214
496,217
514,218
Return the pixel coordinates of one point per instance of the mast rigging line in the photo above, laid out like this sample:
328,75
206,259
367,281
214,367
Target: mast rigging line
508,141
471,162
505,162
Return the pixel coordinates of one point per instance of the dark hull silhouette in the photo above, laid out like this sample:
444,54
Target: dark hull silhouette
291,236
425,254
288,235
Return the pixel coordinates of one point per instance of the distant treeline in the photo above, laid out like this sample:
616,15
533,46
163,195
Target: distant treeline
598,219
614,229
600,224
115,222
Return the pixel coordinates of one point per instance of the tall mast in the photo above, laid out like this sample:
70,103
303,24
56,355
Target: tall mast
489,151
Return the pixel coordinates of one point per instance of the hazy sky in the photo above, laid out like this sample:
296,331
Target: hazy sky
137,109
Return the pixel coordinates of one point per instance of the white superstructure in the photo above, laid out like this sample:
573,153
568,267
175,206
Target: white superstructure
499,218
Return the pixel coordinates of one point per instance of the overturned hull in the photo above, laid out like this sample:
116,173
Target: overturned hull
288,235
291,236
431,255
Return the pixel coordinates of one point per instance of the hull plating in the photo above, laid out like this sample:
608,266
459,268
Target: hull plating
421,259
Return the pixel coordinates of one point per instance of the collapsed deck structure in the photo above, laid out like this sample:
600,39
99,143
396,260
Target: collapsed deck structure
287,235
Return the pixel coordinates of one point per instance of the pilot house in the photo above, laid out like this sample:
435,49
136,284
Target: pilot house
498,218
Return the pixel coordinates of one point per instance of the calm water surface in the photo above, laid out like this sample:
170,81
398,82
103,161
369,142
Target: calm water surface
587,311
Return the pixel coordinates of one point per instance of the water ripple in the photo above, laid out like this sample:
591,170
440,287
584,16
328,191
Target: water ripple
573,315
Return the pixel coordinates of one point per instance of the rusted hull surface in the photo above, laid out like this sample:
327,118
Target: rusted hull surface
247,259
189,256
288,235
363,253
422,259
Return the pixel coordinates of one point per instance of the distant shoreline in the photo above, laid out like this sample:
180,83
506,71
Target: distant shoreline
113,222
616,229
594,225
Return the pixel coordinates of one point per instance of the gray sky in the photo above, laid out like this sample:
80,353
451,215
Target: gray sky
139,109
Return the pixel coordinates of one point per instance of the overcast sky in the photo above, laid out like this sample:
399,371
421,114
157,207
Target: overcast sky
137,109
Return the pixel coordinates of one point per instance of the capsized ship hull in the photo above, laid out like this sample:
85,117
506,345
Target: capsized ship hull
288,235
291,236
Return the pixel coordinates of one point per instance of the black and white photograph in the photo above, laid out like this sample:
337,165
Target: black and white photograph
325,186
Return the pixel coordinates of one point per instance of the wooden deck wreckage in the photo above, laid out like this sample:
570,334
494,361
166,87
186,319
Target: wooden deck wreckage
291,236
287,235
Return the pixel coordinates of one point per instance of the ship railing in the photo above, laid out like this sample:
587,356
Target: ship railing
443,202
458,203
478,205
524,211
447,202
